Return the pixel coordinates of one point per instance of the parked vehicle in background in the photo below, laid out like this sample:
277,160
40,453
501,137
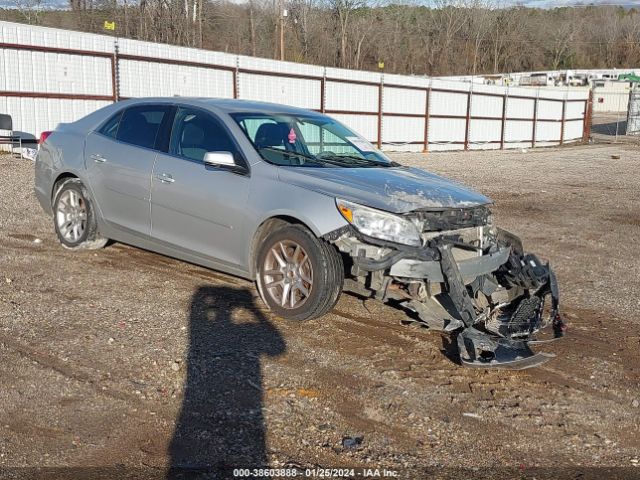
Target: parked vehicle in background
577,80
302,205
542,80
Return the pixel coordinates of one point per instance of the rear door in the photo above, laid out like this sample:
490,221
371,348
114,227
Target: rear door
197,208
119,158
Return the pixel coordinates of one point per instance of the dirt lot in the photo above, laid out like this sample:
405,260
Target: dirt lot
135,362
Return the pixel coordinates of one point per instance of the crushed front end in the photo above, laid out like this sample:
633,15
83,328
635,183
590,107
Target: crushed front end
464,276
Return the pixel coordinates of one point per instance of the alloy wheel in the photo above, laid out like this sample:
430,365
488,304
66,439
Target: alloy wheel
287,274
71,215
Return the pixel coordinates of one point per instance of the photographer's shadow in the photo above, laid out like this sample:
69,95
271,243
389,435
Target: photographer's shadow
221,426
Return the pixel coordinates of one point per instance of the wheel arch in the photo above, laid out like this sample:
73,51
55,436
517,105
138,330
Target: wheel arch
267,226
58,180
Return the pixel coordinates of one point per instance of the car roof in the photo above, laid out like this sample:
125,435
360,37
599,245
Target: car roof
227,105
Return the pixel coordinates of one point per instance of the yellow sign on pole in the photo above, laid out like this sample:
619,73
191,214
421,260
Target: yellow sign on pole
109,25
381,65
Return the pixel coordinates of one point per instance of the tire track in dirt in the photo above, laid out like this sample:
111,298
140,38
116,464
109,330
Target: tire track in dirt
73,371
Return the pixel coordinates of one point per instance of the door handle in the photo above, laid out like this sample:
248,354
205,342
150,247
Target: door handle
165,178
96,157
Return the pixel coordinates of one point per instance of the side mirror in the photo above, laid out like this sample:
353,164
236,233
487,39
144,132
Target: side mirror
220,159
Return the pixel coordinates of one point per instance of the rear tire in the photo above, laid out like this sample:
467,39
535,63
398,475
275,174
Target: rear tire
74,217
299,276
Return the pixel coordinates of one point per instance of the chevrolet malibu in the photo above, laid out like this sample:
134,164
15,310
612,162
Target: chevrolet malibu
304,206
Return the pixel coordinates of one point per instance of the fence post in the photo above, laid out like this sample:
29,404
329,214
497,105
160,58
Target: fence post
564,109
466,130
235,78
535,119
504,117
426,119
115,83
380,87
588,111
323,89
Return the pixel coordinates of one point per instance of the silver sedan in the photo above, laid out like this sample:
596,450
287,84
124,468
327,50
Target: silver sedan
305,207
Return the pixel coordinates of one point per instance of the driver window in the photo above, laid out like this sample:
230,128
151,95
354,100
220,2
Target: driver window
195,133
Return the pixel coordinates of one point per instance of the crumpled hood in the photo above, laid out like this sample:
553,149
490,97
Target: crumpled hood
394,189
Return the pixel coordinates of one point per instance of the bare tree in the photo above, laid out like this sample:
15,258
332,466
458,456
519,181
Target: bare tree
30,10
342,11
445,38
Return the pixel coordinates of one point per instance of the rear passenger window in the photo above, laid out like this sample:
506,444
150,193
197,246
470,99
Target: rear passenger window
139,125
110,128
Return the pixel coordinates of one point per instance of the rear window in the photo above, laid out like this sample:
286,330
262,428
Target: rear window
140,125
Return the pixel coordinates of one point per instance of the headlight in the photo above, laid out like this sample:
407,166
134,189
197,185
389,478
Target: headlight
377,224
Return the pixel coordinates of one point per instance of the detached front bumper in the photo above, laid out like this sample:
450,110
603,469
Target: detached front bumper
492,296
469,269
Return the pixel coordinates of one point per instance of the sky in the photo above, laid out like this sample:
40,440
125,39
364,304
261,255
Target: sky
506,3
567,3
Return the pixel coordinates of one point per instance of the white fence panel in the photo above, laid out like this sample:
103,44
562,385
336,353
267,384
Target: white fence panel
486,106
353,75
518,133
44,72
397,130
290,68
22,34
365,125
402,100
573,130
148,79
484,132
404,80
574,110
443,131
549,110
289,91
520,107
547,133
351,97
447,103
172,52
438,84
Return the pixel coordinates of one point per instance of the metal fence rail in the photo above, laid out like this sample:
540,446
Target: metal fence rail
54,76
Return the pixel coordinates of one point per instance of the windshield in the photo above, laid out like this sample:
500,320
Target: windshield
308,141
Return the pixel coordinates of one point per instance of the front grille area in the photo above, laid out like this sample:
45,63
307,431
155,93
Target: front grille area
452,218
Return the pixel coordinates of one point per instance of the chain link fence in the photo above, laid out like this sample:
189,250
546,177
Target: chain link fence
616,117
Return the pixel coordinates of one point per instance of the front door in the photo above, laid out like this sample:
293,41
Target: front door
198,208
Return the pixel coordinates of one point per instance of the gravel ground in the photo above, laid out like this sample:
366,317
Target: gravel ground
130,362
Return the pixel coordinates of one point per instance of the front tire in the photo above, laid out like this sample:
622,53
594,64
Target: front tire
74,217
299,276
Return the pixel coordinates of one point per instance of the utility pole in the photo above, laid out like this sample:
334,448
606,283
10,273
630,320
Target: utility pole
283,14
276,10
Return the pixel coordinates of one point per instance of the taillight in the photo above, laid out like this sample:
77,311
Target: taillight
43,137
